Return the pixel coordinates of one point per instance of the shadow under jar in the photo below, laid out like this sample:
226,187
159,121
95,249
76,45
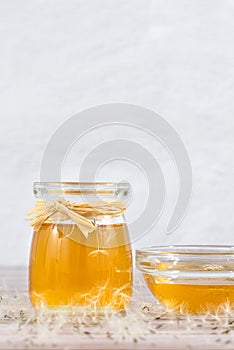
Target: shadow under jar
70,269
190,279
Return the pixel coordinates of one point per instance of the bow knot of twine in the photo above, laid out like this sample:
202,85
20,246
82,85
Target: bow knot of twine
60,205
79,213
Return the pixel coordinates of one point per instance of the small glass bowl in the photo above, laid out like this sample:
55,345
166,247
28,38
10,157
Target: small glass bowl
194,279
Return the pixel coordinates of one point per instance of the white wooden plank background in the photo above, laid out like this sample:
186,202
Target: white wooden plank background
33,332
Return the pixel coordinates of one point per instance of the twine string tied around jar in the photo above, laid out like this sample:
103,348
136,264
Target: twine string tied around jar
79,213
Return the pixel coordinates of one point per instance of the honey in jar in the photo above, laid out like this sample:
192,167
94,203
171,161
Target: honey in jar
69,270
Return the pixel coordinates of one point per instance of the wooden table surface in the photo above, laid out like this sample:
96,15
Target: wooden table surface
144,326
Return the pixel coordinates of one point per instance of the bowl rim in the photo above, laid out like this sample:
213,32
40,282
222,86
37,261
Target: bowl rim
217,259
196,249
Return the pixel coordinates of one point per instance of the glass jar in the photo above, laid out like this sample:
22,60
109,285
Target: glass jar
70,267
189,279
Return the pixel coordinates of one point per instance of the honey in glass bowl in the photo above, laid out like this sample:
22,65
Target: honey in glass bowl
189,279
69,270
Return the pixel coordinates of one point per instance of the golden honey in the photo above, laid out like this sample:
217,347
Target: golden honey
90,273
195,279
193,298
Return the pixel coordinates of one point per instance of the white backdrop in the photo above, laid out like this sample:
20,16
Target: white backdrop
175,56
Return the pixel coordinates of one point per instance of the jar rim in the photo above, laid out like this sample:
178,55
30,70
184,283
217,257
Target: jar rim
79,182
119,189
